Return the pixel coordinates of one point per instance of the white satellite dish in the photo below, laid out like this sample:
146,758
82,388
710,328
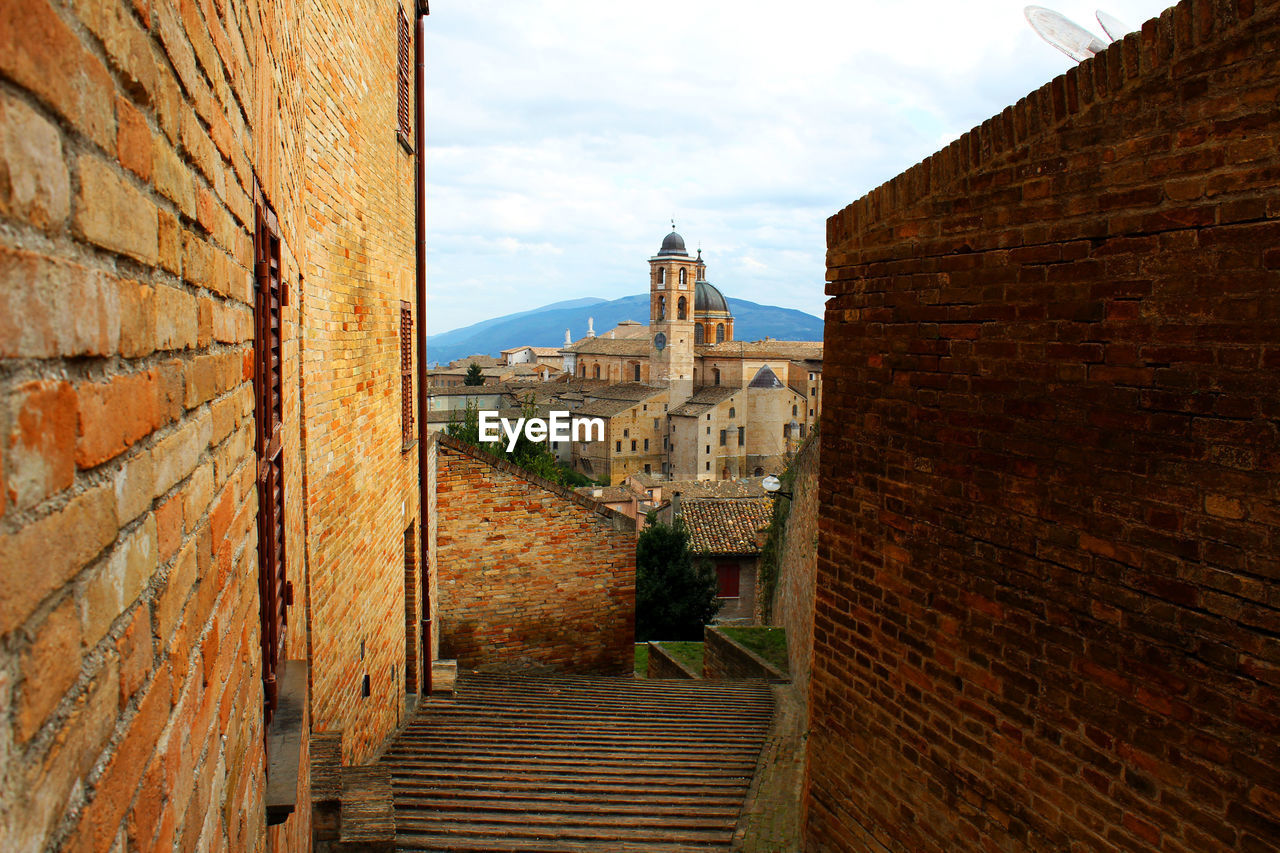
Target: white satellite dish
1063,33
1115,28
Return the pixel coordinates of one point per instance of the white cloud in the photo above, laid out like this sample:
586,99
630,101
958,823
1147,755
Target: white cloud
563,134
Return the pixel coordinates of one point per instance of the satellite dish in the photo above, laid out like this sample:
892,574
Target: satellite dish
1063,33
1115,28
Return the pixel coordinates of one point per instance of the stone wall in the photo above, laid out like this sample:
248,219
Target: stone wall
361,479
1046,612
530,575
130,668
793,596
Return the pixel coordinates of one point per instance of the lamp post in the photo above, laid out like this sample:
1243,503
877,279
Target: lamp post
773,486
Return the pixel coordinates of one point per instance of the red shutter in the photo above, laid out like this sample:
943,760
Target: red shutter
727,576
404,74
274,589
406,374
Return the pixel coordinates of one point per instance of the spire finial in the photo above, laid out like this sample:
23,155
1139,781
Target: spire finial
673,223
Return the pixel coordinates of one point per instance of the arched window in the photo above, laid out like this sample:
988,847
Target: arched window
636,366
716,373
662,307
662,277
682,277
584,371
683,308
794,411
732,412
719,333
597,372
759,472
698,337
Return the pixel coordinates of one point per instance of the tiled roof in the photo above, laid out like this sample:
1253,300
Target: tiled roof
747,487
482,360
790,350
634,391
611,346
726,525
608,494
704,399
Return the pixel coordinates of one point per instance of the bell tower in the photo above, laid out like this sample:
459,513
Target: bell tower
672,274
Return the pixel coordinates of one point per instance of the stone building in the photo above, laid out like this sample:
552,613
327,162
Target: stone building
210,534
1048,521
729,532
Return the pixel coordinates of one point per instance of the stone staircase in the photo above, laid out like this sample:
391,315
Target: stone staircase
529,763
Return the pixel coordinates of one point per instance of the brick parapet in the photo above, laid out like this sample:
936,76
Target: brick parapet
663,664
725,658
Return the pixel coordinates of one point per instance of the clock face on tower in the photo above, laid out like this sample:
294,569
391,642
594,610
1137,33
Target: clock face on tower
660,341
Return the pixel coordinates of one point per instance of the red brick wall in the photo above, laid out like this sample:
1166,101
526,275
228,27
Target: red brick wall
130,678
1046,610
529,574
361,481
793,596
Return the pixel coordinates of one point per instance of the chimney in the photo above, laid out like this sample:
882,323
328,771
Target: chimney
591,327
568,341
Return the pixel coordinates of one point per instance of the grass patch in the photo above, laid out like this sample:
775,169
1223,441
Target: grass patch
642,660
689,654
769,643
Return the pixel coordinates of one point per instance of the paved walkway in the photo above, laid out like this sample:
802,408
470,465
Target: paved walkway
525,763
770,821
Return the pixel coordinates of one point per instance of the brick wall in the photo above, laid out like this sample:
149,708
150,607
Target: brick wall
793,596
130,673
530,575
1046,611
663,664
724,658
361,481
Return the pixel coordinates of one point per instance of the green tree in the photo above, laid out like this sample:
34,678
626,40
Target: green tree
474,375
675,595
533,456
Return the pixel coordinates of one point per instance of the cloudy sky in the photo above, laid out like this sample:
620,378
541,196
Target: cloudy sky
563,135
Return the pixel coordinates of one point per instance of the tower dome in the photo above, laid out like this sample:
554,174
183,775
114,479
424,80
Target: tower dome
673,244
707,299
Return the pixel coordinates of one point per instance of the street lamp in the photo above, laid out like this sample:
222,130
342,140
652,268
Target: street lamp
773,486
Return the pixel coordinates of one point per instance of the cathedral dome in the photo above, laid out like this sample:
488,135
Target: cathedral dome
707,299
673,244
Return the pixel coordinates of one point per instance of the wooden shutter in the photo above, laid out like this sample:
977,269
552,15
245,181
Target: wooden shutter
406,374
404,76
274,589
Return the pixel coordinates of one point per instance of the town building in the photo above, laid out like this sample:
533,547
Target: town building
729,533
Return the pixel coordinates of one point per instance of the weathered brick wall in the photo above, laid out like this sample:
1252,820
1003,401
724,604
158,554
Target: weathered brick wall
1046,610
663,664
529,574
724,658
361,481
130,679
793,596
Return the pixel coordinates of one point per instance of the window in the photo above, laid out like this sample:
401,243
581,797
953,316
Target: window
682,308
647,471
810,377
404,80
597,372
699,338
708,468
618,447
655,423
731,412
742,435
662,278
723,437
662,307
811,413
664,442
802,430
794,409
584,371
406,374
708,428
626,433
813,392
633,445
274,590
682,278
716,373
636,373
727,581
708,451
719,333
646,447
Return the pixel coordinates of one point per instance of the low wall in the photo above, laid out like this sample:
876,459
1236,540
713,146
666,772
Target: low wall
724,658
662,664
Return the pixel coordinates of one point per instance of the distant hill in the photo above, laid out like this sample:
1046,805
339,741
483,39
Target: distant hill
544,327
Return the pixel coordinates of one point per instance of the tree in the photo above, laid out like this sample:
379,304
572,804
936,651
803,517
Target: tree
474,375
675,596
532,456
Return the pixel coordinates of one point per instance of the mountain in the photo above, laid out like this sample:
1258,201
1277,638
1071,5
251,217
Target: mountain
544,327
